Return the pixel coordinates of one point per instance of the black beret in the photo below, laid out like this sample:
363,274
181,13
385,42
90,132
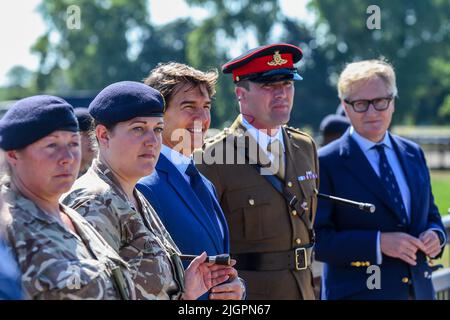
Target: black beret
125,100
334,123
266,63
85,120
31,119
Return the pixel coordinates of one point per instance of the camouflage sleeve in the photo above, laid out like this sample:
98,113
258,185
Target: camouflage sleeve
97,209
166,235
157,225
47,275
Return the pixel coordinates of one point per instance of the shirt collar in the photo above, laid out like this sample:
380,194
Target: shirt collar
366,144
180,161
261,137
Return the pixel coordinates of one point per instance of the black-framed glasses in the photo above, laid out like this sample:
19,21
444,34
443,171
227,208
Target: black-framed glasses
379,104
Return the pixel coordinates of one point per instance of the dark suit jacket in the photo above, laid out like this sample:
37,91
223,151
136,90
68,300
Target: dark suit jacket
346,237
182,213
259,219
10,286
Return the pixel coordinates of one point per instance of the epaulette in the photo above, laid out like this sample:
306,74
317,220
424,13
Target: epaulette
290,130
218,137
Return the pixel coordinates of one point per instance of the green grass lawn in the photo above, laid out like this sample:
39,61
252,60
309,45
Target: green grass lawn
440,182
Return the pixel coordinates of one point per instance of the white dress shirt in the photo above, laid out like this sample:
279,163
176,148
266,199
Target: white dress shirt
263,139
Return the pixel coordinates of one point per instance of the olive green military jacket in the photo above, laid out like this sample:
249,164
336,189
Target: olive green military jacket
57,263
137,235
259,219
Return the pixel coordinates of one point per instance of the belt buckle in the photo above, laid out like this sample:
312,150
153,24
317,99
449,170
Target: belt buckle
298,264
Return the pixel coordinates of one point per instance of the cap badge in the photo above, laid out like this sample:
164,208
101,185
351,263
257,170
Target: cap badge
277,60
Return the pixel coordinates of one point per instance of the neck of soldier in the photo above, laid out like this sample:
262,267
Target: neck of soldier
48,204
126,183
269,130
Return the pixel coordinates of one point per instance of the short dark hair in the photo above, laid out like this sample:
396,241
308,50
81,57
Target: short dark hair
243,84
167,76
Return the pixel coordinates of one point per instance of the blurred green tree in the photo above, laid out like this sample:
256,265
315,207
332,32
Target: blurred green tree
414,36
115,42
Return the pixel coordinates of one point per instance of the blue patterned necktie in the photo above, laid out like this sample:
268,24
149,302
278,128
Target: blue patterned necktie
202,192
390,183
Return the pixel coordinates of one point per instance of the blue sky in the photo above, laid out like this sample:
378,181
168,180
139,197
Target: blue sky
21,25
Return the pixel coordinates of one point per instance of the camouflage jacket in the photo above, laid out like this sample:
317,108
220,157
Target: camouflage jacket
137,235
57,263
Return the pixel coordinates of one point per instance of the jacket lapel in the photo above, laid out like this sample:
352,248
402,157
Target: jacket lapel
223,222
181,187
294,167
359,166
248,149
408,162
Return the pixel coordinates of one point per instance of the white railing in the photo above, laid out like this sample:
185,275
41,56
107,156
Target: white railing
441,278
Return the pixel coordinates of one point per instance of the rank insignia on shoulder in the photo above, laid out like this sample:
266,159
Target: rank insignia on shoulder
309,175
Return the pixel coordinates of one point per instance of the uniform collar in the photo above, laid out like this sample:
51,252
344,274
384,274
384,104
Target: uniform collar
32,212
260,136
105,173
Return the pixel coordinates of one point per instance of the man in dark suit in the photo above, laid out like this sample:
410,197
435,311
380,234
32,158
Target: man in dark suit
10,277
265,174
370,164
183,198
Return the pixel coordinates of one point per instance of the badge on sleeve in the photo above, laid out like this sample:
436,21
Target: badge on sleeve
309,175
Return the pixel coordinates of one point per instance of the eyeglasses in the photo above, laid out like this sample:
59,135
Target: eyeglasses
379,104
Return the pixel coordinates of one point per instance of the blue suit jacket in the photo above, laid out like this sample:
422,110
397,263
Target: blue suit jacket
346,235
182,213
10,286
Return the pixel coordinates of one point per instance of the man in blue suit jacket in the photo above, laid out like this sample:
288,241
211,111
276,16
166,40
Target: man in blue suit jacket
183,198
10,287
10,284
371,165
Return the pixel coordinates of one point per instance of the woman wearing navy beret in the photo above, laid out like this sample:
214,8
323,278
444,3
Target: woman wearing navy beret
59,254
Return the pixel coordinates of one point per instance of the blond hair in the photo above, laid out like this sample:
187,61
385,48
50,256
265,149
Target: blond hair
362,71
167,76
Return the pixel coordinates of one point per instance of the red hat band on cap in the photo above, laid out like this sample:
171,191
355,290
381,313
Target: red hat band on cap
263,64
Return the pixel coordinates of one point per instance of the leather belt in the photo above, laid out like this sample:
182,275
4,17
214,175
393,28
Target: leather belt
296,259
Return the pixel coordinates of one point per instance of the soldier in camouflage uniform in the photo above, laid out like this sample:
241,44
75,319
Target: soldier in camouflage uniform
59,253
129,122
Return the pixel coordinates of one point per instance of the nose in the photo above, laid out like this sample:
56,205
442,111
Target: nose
279,91
371,109
151,139
67,155
202,114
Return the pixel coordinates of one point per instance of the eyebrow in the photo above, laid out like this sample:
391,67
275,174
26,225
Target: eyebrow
137,121
193,102
57,136
143,122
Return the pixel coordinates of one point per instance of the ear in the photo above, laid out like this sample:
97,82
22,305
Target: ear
102,134
12,157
